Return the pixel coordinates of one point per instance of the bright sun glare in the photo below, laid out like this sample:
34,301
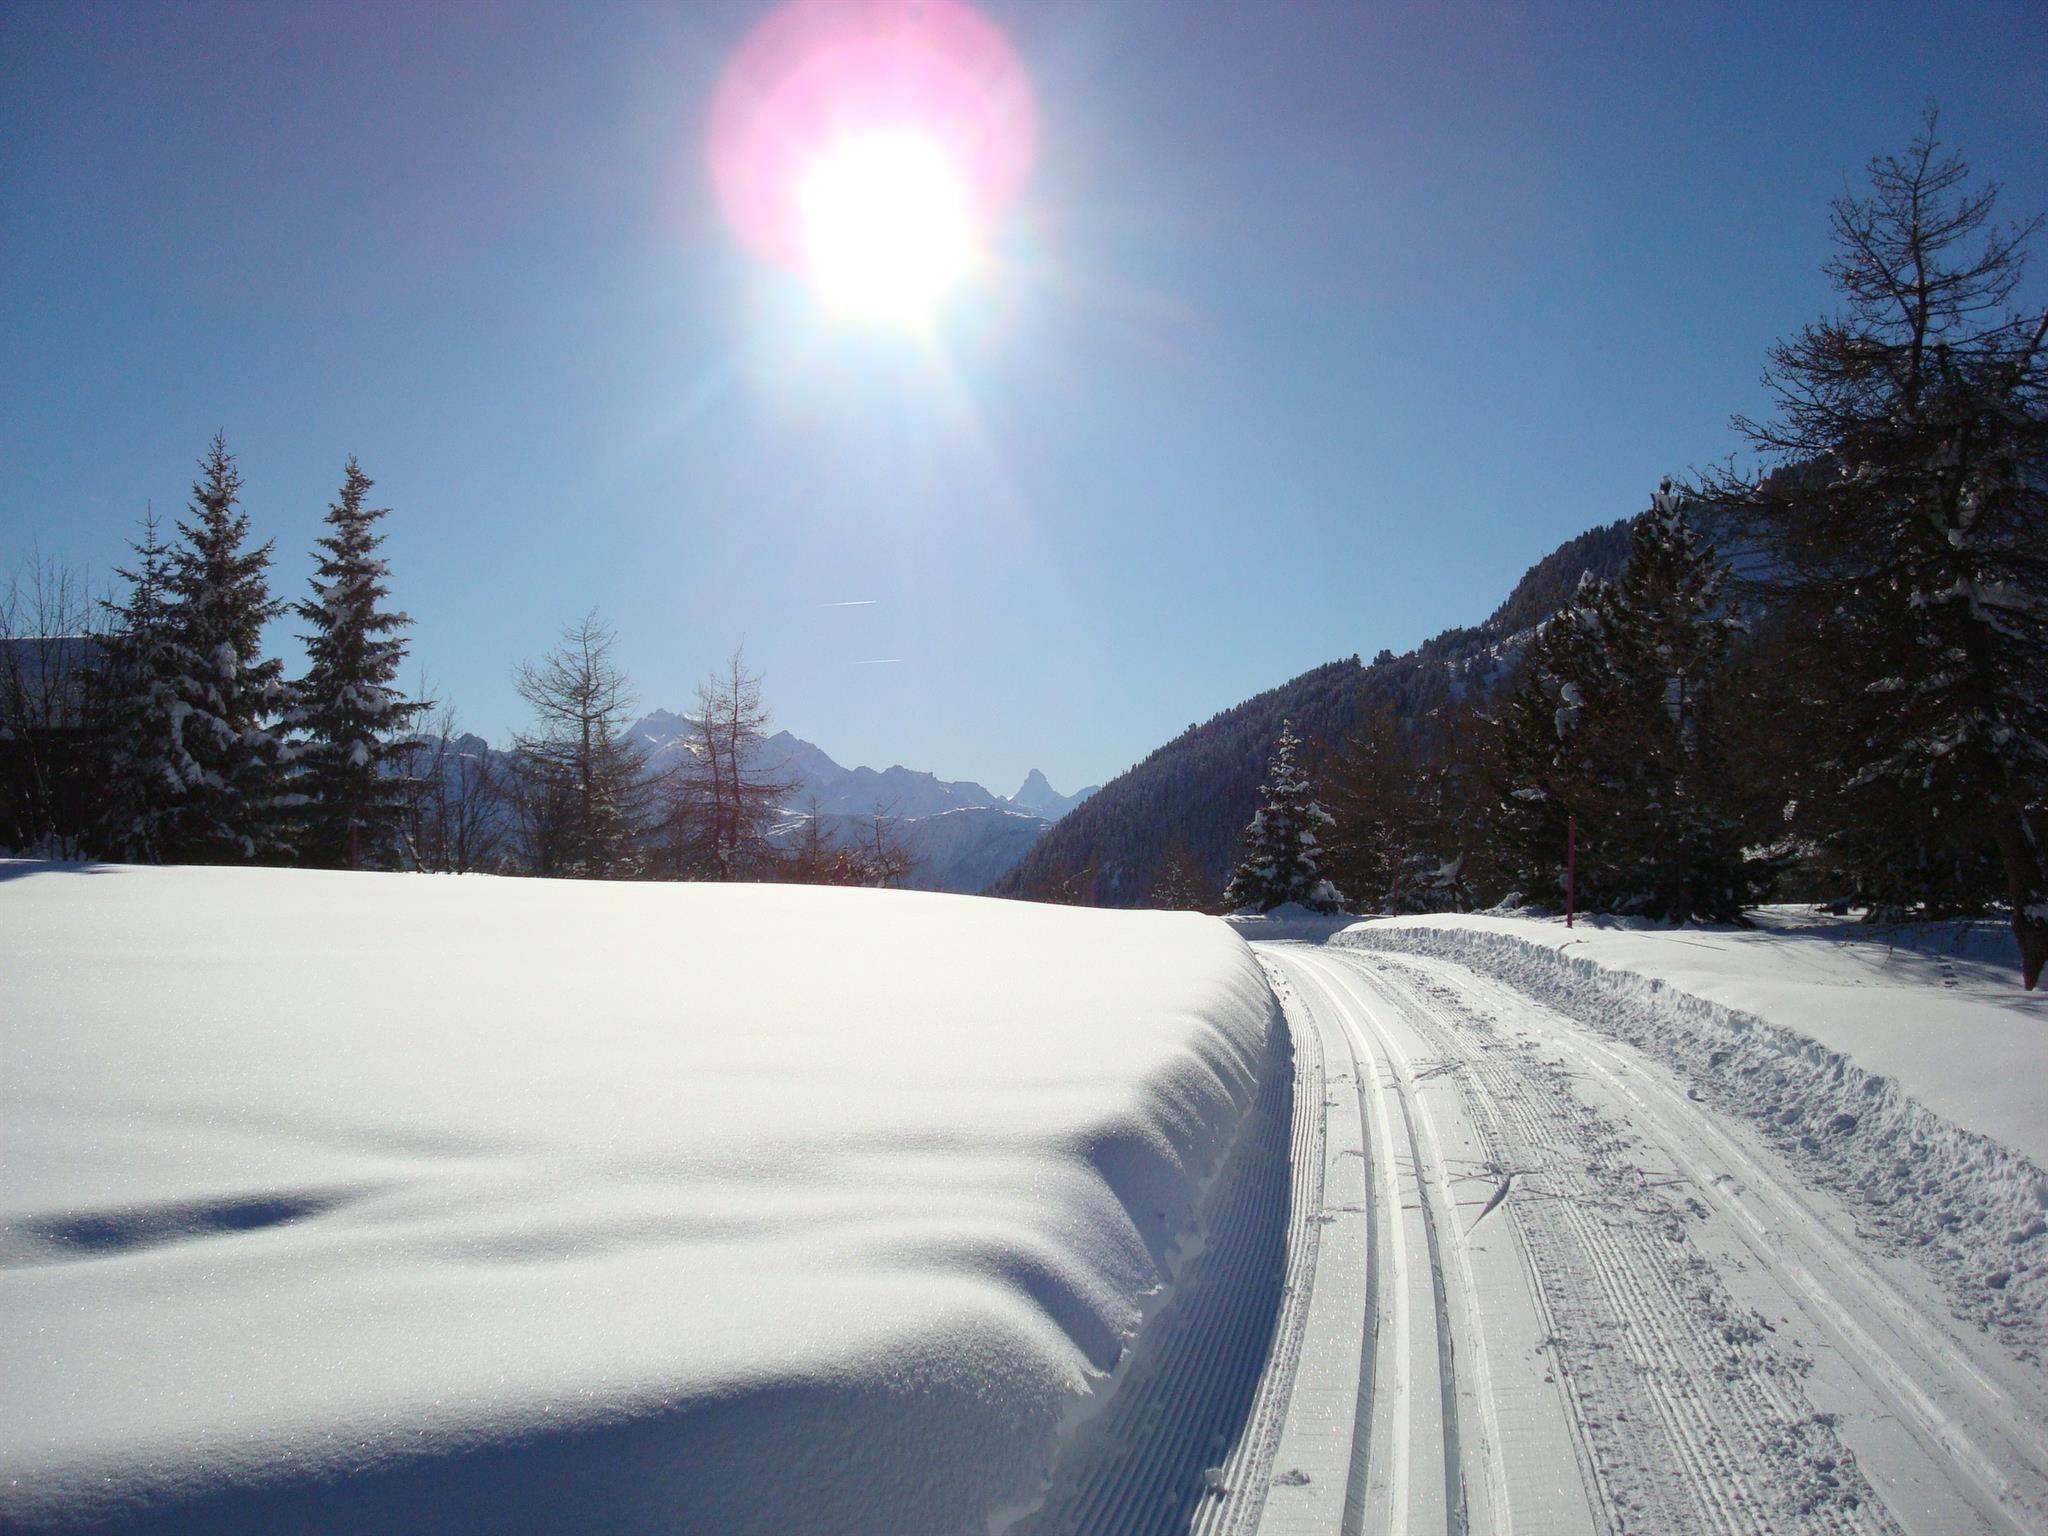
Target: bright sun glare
875,148
886,226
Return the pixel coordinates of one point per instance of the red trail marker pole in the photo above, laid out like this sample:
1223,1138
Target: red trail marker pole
1571,868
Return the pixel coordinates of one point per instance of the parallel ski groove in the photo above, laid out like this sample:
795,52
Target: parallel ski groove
1379,1399
1708,1397
1894,1377
1376,1218
1428,1173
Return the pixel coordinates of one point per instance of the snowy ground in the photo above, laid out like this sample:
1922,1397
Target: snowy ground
1937,1007
356,1202
363,1202
1588,1253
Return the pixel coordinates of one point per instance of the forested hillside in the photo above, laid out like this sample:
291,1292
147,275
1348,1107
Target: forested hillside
1190,800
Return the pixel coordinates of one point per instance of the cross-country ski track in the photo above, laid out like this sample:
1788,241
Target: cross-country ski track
1532,1285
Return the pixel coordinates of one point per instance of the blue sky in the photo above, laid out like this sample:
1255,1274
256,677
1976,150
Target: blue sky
1317,323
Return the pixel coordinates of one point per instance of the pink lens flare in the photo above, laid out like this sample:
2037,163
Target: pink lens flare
818,73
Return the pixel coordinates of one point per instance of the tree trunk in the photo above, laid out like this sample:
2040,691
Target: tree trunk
2026,879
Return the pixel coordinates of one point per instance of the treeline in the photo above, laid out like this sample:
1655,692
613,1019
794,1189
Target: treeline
1859,712
1619,740
1866,714
1171,825
150,726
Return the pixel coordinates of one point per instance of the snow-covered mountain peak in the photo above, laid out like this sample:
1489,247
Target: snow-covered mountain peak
1037,796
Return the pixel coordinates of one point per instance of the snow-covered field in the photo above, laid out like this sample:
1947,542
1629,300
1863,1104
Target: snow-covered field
354,1202
361,1202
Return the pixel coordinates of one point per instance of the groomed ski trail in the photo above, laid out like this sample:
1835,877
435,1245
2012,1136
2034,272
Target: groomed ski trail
1951,1439
1456,1423
1557,1295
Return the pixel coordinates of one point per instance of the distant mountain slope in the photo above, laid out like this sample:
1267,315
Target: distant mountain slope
963,851
1197,792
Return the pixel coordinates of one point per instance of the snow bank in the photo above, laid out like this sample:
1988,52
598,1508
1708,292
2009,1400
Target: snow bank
1877,1072
346,1202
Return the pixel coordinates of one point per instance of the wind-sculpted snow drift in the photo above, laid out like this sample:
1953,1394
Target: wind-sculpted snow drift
1970,1209
354,1202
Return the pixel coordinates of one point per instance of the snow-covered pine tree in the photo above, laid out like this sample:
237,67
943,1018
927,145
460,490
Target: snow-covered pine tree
1612,723
347,709
1178,886
1666,634
1282,843
1909,521
1369,786
1545,761
135,711
228,760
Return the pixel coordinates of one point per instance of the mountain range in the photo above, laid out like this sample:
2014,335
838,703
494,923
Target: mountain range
904,794
958,835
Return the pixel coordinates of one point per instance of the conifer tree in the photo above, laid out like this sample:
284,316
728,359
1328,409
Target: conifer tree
1179,886
1544,761
1909,521
1371,786
725,798
347,707
227,761
134,703
1667,636
1282,845
1612,725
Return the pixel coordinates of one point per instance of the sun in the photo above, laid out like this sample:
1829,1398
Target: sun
875,148
887,226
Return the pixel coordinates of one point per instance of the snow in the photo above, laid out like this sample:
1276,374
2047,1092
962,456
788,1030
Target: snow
348,1201
1903,1070
1936,1007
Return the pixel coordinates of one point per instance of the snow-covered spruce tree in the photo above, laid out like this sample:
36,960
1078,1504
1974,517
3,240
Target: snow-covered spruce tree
227,761
136,713
1915,535
349,713
1667,635
1545,761
1282,843
1612,723
1179,885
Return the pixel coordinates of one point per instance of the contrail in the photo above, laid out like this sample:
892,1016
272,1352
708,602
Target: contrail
879,661
858,602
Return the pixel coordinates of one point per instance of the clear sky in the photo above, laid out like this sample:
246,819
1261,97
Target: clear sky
1314,324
